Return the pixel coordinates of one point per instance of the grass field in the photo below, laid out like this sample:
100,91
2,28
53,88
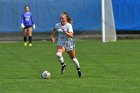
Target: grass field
107,68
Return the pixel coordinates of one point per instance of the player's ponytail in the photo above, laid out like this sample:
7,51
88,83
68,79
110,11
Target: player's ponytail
69,20
68,17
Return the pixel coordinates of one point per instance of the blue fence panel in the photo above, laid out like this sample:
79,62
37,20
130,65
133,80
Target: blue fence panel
127,14
86,14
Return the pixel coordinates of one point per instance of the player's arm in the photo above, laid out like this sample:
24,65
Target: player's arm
69,33
33,22
22,21
53,35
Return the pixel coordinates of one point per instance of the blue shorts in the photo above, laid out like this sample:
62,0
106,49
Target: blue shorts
27,27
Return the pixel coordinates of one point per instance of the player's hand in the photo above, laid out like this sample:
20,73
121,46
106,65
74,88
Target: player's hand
34,26
22,26
64,30
53,39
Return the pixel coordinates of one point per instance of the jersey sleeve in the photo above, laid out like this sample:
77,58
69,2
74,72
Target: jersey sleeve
70,28
56,26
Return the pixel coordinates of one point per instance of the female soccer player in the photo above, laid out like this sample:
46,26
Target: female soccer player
27,24
65,41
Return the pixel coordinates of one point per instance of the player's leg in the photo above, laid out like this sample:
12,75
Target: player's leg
30,35
59,54
25,36
75,60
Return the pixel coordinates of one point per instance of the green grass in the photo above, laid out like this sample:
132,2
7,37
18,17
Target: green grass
107,68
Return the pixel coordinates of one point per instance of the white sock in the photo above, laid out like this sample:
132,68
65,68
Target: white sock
76,62
60,57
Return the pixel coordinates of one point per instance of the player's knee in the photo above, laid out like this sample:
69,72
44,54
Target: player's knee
75,60
58,54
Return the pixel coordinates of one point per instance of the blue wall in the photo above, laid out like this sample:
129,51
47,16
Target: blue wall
127,14
86,14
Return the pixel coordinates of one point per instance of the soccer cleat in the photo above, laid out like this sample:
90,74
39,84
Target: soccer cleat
80,74
25,44
63,68
30,44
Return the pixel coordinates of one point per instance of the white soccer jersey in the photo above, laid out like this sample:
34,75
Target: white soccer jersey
63,39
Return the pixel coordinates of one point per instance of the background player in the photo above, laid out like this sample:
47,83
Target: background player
27,24
65,41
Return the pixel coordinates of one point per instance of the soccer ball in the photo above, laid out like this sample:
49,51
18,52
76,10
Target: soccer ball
45,75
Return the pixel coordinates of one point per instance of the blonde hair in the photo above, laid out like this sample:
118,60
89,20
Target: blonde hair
68,17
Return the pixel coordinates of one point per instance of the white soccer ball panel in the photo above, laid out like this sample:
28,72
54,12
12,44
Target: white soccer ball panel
46,75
